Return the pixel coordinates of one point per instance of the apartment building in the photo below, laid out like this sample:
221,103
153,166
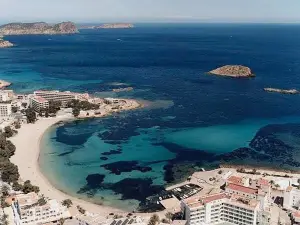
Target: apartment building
291,198
27,210
5,109
220,208
38,103
63,97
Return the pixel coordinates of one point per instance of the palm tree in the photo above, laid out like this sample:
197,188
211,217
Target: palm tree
61,221
154,219
169,216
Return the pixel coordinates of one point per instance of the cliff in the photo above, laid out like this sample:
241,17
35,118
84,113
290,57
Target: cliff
233,71
38,28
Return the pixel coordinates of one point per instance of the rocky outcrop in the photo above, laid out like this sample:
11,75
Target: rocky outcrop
282,91
4,84
5,44
38,28
233,71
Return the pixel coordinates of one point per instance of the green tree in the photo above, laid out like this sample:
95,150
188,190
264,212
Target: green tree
169,216
4,190
154,219
10,172
61,221
28,187
31,115
47,113
14,109
54,106
67,202
8,132
18,125
76,112
17,187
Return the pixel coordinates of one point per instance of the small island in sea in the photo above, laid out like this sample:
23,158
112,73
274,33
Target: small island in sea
233,71
110,26
38,28
282,91
4,43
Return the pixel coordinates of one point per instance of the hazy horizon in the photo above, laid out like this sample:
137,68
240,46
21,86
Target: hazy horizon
155,11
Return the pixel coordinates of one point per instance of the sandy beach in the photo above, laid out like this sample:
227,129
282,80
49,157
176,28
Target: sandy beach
27,143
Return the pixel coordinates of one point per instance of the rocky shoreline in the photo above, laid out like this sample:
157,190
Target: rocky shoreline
5,44
233,71
38,28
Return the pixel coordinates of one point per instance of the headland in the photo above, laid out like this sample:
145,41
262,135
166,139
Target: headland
38,28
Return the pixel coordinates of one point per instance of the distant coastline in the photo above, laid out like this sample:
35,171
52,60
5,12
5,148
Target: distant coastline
109,26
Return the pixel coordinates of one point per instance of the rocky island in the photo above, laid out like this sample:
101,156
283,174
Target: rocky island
38,28
283,91
5,44
110,26
233,71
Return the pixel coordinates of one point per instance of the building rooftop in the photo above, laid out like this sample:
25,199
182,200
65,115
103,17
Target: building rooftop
251,203
235,180
26,199
198,201
263,182
289,188
241,188
40,99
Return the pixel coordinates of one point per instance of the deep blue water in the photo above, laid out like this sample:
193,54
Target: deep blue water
194,119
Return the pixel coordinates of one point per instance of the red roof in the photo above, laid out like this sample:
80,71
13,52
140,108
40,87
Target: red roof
40,99
235,180
263,182
296,214
241,188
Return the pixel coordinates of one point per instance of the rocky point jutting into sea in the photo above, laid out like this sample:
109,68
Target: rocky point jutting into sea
4,43
38,28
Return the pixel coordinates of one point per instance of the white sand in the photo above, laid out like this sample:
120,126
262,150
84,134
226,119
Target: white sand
27,143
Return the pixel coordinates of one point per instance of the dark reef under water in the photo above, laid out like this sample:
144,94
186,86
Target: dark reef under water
269,147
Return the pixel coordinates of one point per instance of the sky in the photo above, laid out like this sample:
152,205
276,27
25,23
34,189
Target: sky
150,10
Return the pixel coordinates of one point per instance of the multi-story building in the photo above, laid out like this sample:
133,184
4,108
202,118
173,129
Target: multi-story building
244,202
249,193
38,103
220,208
5,109
4,96
62,97
291,198
28,210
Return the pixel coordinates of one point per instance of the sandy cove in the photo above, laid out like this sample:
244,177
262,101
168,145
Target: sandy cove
27,143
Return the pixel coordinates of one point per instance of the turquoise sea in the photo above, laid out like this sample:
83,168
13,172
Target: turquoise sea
194,119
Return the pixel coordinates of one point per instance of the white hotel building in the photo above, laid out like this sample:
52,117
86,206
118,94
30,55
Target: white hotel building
220,208
27,211
291,198
64,96
239,204
38,103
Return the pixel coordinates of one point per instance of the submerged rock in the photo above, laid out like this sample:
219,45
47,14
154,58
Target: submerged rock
125,166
